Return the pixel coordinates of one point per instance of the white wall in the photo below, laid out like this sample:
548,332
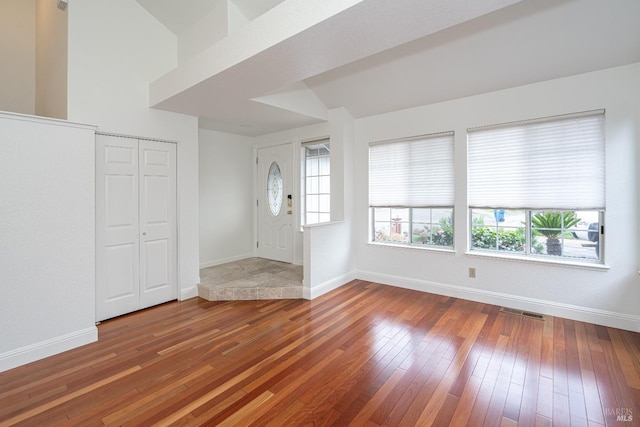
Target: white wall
51,60
237,19
212,27
223,19
18,53
328,258
47,249
328,249
601,296
226,197
115,49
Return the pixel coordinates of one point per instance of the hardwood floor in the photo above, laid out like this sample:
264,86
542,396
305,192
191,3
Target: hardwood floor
362,355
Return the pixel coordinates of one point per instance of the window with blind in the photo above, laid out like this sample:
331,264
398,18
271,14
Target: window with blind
411,183
317,181
537,187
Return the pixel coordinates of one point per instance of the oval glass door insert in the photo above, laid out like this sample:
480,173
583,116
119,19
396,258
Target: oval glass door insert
274,189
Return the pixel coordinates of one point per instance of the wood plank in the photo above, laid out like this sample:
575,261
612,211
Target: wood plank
68,397
535,362
153,398
364,354
591,397
248,412
545,398
468,398
370,407
470,329
481,405
625,359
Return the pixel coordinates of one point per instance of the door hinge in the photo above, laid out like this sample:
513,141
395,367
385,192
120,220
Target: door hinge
257,244
257,202
256,160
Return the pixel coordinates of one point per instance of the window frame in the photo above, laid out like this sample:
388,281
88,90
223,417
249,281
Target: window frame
527,253
425,187
304,211
585,131
410,223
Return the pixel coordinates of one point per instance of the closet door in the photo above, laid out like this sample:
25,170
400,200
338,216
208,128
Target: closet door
117,229
136,249
158,278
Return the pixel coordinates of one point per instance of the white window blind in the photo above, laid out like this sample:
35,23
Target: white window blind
412,172
553,163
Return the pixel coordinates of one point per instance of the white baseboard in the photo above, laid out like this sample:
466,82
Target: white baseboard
225,260
327,286
583,314
187,293
31,353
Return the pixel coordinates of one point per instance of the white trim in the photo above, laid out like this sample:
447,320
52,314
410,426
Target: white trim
546,119
413,138
328,286
612,319
320,224
272,144
188,293
45,120
566,262
314,141
40,350
442,250
220,261
144,138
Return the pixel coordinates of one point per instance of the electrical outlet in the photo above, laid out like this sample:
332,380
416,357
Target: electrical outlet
472,272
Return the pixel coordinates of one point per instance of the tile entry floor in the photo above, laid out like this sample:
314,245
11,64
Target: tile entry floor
251,279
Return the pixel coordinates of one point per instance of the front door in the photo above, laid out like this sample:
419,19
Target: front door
275,203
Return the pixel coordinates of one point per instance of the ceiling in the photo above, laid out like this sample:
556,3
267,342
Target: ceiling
376,56
528,42
177,16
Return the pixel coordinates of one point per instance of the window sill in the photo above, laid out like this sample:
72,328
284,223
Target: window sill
318,225
534,260
413,247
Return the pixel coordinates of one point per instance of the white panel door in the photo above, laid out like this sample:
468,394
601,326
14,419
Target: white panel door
158,278
136,248
117,227
275,203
